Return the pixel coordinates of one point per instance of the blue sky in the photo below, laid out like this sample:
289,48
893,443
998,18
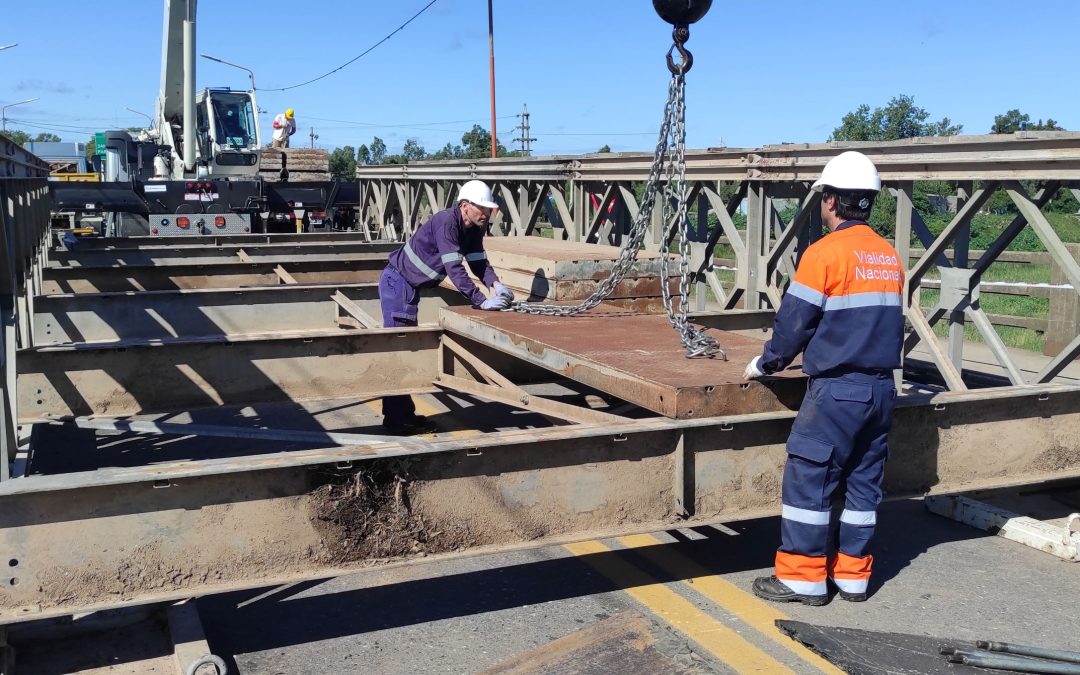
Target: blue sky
591,71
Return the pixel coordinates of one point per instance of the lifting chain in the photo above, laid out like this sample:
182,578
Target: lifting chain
669,163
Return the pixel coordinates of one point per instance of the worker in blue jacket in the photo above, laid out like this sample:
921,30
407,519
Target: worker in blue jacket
844,311
437,250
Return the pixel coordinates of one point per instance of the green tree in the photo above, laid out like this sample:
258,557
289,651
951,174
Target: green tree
363,155
46,138
448,151
378,151
413,151
476,144
604,148
900,118
17,136
343,163
1014,121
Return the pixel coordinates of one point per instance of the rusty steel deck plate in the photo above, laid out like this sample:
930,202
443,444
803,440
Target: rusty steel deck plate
637,357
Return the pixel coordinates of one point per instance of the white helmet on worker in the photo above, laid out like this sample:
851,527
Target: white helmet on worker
477,192
849,171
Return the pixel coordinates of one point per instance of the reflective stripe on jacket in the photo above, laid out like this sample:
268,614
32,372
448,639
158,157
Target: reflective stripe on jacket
844,309
437,250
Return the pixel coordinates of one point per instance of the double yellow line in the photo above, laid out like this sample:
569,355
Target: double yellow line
720,640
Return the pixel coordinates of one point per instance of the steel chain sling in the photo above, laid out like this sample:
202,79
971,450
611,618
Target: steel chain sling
669,162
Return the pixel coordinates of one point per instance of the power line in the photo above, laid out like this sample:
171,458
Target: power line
57,130
602,133
364,53
411,127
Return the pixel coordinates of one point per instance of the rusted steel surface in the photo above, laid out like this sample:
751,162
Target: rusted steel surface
636,357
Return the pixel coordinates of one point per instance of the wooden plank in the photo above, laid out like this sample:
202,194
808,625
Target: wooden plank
244,257
1011,257
1030,323
285,277
355,310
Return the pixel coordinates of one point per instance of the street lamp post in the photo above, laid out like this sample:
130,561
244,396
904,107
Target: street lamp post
251,75
148,118
3,111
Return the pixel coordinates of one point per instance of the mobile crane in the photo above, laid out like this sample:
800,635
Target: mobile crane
196,169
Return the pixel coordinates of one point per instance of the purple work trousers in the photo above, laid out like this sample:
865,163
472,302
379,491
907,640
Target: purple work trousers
399,301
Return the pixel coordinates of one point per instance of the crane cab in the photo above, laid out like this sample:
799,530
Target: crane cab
227,132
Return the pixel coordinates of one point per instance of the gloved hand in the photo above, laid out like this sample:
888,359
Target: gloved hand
503,291
496,303
753,369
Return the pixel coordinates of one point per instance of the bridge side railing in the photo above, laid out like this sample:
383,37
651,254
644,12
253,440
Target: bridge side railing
593,198
24,219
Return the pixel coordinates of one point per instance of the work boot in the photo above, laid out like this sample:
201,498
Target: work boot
409,425
772,589
845,595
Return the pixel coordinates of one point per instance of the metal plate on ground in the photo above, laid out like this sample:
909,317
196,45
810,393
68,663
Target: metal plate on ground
627,643
637,357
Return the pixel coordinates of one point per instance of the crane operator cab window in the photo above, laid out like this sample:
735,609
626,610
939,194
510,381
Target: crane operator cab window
234,122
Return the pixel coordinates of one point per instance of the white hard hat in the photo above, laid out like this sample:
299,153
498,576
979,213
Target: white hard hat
477,192
849,171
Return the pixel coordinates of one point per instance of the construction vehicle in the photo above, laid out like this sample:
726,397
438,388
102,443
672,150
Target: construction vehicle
196,170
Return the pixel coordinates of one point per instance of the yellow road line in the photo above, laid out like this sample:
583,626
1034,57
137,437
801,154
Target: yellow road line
756,613
718,639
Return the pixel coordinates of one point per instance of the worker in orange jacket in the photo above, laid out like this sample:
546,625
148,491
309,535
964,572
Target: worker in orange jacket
844,312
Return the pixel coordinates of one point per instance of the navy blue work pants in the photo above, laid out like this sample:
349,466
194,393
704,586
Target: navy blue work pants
839,436
399,301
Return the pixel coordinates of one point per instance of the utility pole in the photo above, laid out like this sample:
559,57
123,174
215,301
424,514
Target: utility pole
525,141
314,136
491,66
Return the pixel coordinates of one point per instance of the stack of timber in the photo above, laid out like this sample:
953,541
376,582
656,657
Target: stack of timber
304,164
546,270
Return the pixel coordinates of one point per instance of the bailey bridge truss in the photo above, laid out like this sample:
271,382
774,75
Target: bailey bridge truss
184,419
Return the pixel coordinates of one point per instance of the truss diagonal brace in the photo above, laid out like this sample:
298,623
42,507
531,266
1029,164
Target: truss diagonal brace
498,388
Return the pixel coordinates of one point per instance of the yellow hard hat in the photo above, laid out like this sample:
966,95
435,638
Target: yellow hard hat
289,113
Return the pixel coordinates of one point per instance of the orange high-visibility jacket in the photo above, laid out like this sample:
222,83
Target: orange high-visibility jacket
844,309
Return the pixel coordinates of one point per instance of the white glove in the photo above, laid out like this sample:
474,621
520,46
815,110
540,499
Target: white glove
496,303
503,291
753,369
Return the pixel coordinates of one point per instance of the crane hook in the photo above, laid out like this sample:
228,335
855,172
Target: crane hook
681,13
686,60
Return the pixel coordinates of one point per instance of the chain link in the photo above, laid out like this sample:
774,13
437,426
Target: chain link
669,160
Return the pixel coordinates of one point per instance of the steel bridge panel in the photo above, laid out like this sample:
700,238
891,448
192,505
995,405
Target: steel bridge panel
222,275
218,254
636,357
220,240
163,376
108,537
156,315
